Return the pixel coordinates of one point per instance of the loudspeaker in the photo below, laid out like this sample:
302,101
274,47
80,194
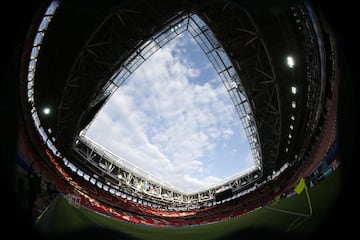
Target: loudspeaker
223,195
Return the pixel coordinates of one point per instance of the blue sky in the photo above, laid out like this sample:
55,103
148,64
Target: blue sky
174,118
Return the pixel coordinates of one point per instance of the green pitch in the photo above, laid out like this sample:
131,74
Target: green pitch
62,219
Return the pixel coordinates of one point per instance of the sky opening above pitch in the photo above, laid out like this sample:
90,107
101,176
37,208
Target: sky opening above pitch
174,118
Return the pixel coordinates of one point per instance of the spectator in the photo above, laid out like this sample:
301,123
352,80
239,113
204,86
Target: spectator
34,190
21,194
30,170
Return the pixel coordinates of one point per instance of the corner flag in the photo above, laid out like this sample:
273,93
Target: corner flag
302,217
301,186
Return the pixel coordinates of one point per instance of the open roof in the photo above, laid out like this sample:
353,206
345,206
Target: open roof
73,68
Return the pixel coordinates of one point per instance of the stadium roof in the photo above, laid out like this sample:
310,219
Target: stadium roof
276,50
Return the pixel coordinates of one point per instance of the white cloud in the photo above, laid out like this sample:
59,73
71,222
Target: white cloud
228,133
163,121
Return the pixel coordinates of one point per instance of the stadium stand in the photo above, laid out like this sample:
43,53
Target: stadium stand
320,158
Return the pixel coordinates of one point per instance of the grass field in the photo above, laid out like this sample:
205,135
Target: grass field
63,220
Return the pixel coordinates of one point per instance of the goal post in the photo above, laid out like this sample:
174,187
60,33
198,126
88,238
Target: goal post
73,199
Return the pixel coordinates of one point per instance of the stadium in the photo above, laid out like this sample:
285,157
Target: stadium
280,64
